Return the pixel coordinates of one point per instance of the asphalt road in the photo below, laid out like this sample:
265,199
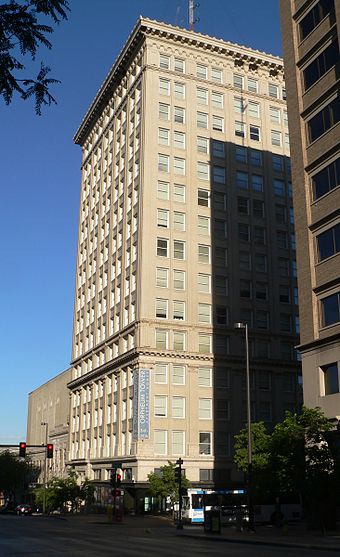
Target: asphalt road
37,536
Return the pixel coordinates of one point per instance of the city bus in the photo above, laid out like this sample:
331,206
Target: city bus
229,501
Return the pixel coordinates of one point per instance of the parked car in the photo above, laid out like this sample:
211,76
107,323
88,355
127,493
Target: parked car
23,509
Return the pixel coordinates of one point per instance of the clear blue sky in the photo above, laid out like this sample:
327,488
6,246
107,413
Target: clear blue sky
40,179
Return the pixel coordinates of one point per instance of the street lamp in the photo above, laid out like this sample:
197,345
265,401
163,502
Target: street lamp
244,326
45,465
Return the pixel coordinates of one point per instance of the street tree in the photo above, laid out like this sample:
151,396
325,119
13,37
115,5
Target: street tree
15,474
62,493
162,484
22,33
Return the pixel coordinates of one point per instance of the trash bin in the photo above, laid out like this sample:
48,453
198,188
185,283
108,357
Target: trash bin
212,521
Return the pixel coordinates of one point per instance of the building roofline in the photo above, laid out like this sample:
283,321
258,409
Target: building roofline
145,27
69,370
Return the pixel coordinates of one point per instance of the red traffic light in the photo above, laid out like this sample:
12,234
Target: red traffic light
118,479
50,450
22,449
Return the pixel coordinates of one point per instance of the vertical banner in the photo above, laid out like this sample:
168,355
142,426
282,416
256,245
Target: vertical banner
141,404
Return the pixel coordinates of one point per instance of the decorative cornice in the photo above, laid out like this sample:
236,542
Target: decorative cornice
150,27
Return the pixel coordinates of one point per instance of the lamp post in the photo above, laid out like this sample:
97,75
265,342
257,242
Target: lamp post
45,465
244,326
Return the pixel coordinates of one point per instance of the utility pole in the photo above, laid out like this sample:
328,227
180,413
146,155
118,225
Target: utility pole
45,465
178,478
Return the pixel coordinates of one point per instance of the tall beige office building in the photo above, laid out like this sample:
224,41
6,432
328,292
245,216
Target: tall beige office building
311,51
186,227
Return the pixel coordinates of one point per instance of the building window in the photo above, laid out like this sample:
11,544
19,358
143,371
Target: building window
238,81
218,123
327,179
178,375
219,201
163,163
160,406
179,115
330,374
262,319
164,62
314,16
245,261
243,205
162,190
161,339
241,154
162,218
324,120
178,407
179,140
275,115
162,247
330,309
221,285
179,193
218,149
178,443
273,90
203,225
219,174
255,157
277,163
202,95
179,340
164,111
257,182
161,308
220,256
328,242
282,239
239,105
253,85
216,75
202,120
160,442
253,109
161,373
254,132
202,145
261,291
260,263
179,221
203,170
203,198
223,410
242,180
204,377
221,315
201,71
279,188
179,249
179,66
281,213
204,282
244,232
321,64
276,138
179,280
205,408
164,86
245,289
259,235
203,253
179,90
240,130
258,208
163,136
161,277
217,99
204,313
179,310
204,343
285,322
204,443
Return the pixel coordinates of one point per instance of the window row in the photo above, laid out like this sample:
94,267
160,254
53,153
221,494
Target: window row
162,250
178,404
178,375
252,108
178,341
258,262
324,120
330,308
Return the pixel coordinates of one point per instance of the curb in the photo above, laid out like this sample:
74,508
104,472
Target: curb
272,543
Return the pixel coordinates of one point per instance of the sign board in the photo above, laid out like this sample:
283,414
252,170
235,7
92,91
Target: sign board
141,404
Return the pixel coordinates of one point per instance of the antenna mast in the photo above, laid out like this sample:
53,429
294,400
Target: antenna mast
192,19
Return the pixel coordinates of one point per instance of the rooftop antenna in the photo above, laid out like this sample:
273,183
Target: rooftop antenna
192,18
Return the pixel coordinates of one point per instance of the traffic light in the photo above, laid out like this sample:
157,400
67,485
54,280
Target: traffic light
50,450
118,479
22,449
113,477
178,474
